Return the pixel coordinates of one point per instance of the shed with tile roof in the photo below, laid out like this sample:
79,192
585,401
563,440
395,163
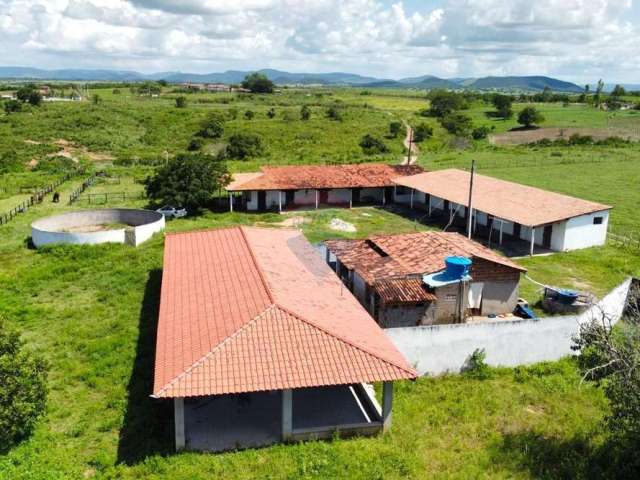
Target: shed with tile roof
254,326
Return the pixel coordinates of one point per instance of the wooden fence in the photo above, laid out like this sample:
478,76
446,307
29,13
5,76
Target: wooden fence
104,197
34,199
86,184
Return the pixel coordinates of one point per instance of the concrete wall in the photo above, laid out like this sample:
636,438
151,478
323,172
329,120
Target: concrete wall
252,200
445,348
373,195
394,316
305,197
143,224
580,232
339,195
499,297
273,198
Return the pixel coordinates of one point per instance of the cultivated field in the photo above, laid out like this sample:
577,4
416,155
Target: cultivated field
92,310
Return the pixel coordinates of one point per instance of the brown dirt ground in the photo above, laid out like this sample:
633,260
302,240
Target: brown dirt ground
528,136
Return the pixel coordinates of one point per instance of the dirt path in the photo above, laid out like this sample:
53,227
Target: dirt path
414,148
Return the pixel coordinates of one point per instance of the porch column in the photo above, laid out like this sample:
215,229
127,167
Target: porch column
351,198
429,205
384,196
338,266
411,201
287,414
230,201
317,199
501,222
178,414
387,402
280,201
533,239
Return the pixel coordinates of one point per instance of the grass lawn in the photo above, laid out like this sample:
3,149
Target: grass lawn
92,312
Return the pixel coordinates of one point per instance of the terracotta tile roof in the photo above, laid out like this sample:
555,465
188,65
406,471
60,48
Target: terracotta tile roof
386,256
298,177
249,309
403,290
510,201
238,179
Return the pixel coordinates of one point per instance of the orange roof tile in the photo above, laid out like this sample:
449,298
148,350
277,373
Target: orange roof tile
403,290
298,177
510,201
386,256
249,309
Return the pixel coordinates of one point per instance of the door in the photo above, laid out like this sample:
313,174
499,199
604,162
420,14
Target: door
516,230
388,195
262,200
355,195
324,196
546,236
290,197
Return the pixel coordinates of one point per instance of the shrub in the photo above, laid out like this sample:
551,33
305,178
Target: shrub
244,145
257,83
529,116
195,144
23,396
503,106
271,113
249,114
422,132
443,103
476,367
12,106
480,132
372,145
305,113
212,126
188,180
9,162
333,112
457,124
181,102
395,128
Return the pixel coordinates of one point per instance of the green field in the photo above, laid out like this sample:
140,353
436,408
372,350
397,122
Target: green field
91,311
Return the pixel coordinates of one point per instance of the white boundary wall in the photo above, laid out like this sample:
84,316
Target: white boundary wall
440,349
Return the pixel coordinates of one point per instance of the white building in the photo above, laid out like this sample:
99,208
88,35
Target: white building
508,210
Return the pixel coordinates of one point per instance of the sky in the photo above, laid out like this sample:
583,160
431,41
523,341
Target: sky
575,40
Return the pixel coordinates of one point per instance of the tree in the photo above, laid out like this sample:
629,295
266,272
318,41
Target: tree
372,145
444,102
480,132
503,106
188,180
618,91
598,95
257,83
181,102
457,124
244,145
333,112
610,356
212,126
162,83
529,116
249,114
305,113
394,129
271,113
29,94
23,396
12,106
421,132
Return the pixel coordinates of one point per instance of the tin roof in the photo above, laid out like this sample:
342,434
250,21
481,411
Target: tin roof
510,201
299,177
250,309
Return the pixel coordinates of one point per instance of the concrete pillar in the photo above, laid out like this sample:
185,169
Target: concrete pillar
328,253
230,202
280,201
178,414
387,403
337,266
533,240
429,205
317,199
351,198
384,196
287,414
501,223
411,201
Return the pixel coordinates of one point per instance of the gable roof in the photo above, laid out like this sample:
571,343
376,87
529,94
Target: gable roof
386,256
299,177
510,201
250,309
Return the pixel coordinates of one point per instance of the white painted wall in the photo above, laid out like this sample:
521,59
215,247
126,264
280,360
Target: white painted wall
373,195
305,197
580,232
445,348
273,197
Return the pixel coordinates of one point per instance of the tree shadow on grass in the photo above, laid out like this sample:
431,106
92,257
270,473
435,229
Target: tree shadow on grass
575,458
146,429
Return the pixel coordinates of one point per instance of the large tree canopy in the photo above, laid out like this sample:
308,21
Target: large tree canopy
529,116
188,180
258,83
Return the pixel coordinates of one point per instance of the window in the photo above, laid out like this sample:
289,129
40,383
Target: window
597,220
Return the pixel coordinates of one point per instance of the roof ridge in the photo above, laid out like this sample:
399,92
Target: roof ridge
341,338
211,352
257,265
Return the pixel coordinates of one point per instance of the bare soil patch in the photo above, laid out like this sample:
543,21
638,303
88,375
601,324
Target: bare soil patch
521,137
72,151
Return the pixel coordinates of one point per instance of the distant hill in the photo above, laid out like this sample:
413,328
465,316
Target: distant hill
427,82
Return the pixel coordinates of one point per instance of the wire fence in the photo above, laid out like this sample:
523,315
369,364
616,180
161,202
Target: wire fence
625,239
75,195
36,198
105,197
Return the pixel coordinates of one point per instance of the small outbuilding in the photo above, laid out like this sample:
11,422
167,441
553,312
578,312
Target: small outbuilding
507,211
403,280
259,342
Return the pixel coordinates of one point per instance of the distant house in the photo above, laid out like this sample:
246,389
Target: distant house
193,86
259,342
507,210
217,87
401,281
312,186
44,90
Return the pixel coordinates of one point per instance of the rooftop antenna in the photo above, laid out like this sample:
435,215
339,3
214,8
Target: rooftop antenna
470,206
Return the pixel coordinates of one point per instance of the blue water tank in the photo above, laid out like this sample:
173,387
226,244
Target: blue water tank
457,267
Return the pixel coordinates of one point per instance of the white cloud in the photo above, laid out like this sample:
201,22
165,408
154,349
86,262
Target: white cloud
574,39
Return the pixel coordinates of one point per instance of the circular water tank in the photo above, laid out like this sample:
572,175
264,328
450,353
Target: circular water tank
457,267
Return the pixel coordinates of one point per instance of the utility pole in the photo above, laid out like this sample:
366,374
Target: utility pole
470,205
